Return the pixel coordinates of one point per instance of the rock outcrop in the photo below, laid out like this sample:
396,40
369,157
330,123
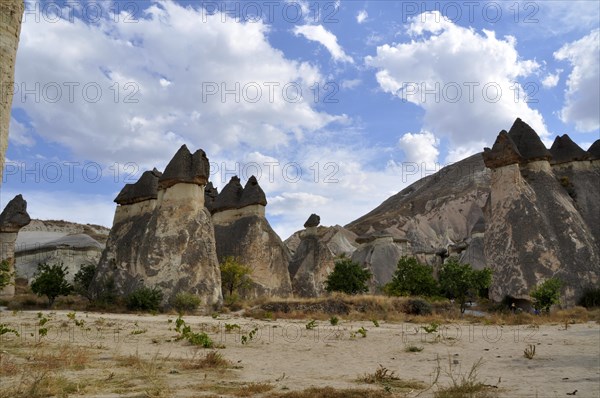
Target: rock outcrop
53,242
435,212
315,250
379,252
11,14
535,228
12,219
242,231
162,234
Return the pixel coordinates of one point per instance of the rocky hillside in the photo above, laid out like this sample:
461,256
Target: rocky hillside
524,210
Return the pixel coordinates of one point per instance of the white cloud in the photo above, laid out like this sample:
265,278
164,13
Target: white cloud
420,147
18,134
362,16
582,103
327,39
551,80
351,84
156,91
463,80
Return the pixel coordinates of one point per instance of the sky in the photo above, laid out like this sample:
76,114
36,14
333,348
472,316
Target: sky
333,105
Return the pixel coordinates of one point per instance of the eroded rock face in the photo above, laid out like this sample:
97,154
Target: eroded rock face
11,14
564,150
594,150
315,251
166,242
12,219
242,231
435,212
536,230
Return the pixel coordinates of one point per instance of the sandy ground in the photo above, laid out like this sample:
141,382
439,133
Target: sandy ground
289,356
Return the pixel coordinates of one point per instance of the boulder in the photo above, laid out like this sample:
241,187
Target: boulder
314,257
185,168
146,188
564,150
313,221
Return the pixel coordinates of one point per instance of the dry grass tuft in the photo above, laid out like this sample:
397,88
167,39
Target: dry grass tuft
252,389
329,392
212,360
385,377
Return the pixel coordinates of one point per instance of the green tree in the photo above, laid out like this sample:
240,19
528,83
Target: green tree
50,281
5,274
546,294
459,281
348,277
412,278
234,276
83,279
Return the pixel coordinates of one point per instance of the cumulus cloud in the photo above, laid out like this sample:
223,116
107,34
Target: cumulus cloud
327,39
177,75
362,16
582,103
551,80
19,134
420,147
464,80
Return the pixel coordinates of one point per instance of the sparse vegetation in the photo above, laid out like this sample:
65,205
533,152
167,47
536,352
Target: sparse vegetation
412,278
360,331
83,279
5,274
464,385
235,277
590,297
144,299
334,320
529,352
185,302
546,294
347,277
460,281
413,348
417,306
50,281
387,378
311,325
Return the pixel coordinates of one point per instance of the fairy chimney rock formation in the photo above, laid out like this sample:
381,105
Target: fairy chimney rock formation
311,224
13,218
594,151
539,219
210,195
163,235
11,14
242,231
564,150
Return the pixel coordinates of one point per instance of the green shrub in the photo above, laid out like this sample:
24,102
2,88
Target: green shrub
348,277
417,306
546,294
590,298
334,320
144,299
412,278
200,339
5,274
83,279
185,302
50,281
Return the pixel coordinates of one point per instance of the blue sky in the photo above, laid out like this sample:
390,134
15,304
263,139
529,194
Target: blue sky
334,105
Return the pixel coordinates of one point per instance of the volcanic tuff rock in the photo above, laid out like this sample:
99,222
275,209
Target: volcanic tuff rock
210,195
564,150
379,252
542,220
435,212
146,188
166,240
12,219
242,231
313,221
315,251
11,15
536,227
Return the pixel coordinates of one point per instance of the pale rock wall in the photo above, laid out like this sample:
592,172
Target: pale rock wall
11,13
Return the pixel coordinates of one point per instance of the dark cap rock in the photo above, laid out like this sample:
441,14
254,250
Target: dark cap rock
503,153
313,221
146,188
564,150
230,196
186,168
370,237
252,194
210,195
528,142
594,150
14,216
